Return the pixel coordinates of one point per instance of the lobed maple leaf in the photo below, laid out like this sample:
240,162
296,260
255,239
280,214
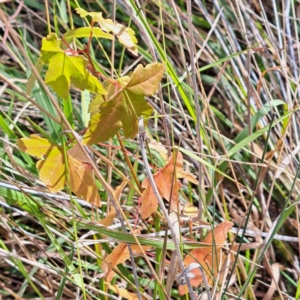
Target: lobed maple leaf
125,35
210,258
52,167
123,108
164,180
64,69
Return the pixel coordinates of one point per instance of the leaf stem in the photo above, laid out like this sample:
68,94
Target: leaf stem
161,204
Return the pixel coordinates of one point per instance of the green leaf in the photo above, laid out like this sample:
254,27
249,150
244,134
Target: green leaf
257,134
145,240
66,69
84,32
125,106
63,11
5,127
257,117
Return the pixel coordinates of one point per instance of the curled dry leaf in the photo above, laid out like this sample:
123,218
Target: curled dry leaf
275,280
109,219
164,180
210,258
125,35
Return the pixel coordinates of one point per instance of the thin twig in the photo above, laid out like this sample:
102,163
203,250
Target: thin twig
142,135
196,99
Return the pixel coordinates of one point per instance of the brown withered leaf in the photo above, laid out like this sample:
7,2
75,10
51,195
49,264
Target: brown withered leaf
210,258
165,182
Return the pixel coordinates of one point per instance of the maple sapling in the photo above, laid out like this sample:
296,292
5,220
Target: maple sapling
111,109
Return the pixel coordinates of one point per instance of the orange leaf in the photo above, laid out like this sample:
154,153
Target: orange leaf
136,249
217,236
148,200
165,182
118,256
197,279
118,190
82,181
109,219
209,258
123,292
76,152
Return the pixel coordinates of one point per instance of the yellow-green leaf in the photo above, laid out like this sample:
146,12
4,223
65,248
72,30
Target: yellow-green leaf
52,170
145,81
52,167
85,32
82,13
65,68
94,106
35,146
